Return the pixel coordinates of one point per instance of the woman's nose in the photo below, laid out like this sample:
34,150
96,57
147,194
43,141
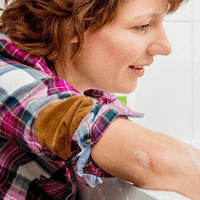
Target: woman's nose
160,44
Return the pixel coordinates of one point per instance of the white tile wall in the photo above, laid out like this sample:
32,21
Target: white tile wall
196,7
169,93
1,3
183,13
196,79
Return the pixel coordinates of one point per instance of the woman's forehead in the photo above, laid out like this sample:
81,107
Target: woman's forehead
142,9
149,3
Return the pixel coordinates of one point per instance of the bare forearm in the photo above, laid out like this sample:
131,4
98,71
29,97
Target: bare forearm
175,166
148,159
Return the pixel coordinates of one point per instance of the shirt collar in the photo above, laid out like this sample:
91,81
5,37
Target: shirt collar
9,49
98,94
38,63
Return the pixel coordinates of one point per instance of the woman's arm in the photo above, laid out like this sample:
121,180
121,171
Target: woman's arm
148,159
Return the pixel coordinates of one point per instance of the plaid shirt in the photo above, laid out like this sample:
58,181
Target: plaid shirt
28,170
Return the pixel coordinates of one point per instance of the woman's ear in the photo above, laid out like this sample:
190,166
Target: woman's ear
74,40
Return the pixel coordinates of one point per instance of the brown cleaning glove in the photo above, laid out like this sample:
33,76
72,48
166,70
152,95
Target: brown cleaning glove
57,123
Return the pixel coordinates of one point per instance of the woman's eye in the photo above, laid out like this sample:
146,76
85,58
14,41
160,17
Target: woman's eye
143,27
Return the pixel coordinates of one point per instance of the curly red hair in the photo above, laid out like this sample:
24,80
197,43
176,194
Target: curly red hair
46,27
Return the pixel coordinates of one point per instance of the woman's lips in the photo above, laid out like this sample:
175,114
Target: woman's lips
138,71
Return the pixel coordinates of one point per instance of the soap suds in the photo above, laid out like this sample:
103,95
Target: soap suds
143,158
136,176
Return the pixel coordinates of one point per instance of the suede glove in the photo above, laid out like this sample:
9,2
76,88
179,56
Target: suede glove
56,124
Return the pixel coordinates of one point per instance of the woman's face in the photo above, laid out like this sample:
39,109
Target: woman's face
110,56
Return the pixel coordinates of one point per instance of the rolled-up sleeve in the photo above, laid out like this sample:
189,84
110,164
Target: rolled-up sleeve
69,127
90,131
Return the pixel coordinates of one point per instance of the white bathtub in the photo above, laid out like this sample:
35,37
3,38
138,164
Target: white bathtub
115,189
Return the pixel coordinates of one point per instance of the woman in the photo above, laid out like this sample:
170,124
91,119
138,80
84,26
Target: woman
58,127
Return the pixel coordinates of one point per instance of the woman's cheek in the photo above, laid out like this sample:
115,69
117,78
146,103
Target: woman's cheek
129,50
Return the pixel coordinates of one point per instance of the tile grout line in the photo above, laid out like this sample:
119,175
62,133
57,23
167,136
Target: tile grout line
192,69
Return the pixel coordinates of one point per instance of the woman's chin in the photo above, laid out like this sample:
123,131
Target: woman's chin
126,90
